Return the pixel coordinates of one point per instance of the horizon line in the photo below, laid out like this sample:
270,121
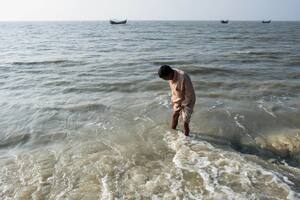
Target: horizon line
83,20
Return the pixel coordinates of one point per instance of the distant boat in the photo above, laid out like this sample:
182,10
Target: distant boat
118,22
266,21
224,21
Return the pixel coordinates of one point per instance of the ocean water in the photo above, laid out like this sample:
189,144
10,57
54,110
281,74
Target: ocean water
83,114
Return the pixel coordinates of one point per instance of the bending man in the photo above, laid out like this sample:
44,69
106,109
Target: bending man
183,95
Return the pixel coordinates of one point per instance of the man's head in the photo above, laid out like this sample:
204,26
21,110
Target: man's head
166,72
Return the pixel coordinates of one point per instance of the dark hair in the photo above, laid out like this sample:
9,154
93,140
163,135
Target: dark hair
164,71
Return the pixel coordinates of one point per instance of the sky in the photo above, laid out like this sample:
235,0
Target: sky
31,10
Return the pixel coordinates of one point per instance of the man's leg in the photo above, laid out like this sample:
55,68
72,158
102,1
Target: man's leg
186,116
175,119
186,129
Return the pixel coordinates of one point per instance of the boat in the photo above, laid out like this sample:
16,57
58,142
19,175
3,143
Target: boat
224,21
118,22
266,21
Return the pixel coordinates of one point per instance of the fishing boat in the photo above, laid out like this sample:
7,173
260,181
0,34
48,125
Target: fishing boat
118,22
266,21
224,21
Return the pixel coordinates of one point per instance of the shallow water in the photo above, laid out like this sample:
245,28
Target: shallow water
84,115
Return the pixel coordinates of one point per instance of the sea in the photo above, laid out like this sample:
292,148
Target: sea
84,115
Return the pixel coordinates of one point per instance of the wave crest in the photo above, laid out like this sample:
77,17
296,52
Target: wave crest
45,62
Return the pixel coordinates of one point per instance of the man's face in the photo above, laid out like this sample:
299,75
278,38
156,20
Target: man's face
169,77
166,78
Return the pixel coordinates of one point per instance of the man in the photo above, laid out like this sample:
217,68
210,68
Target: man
183,95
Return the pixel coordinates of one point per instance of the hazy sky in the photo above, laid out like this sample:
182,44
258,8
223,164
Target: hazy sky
149,9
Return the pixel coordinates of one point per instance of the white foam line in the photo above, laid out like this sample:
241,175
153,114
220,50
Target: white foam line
228,113
92,123
187,159
149,119
138,118
292,108
238,123
286,179
102,125
267,111
199,163
105,194
204,175
276,178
